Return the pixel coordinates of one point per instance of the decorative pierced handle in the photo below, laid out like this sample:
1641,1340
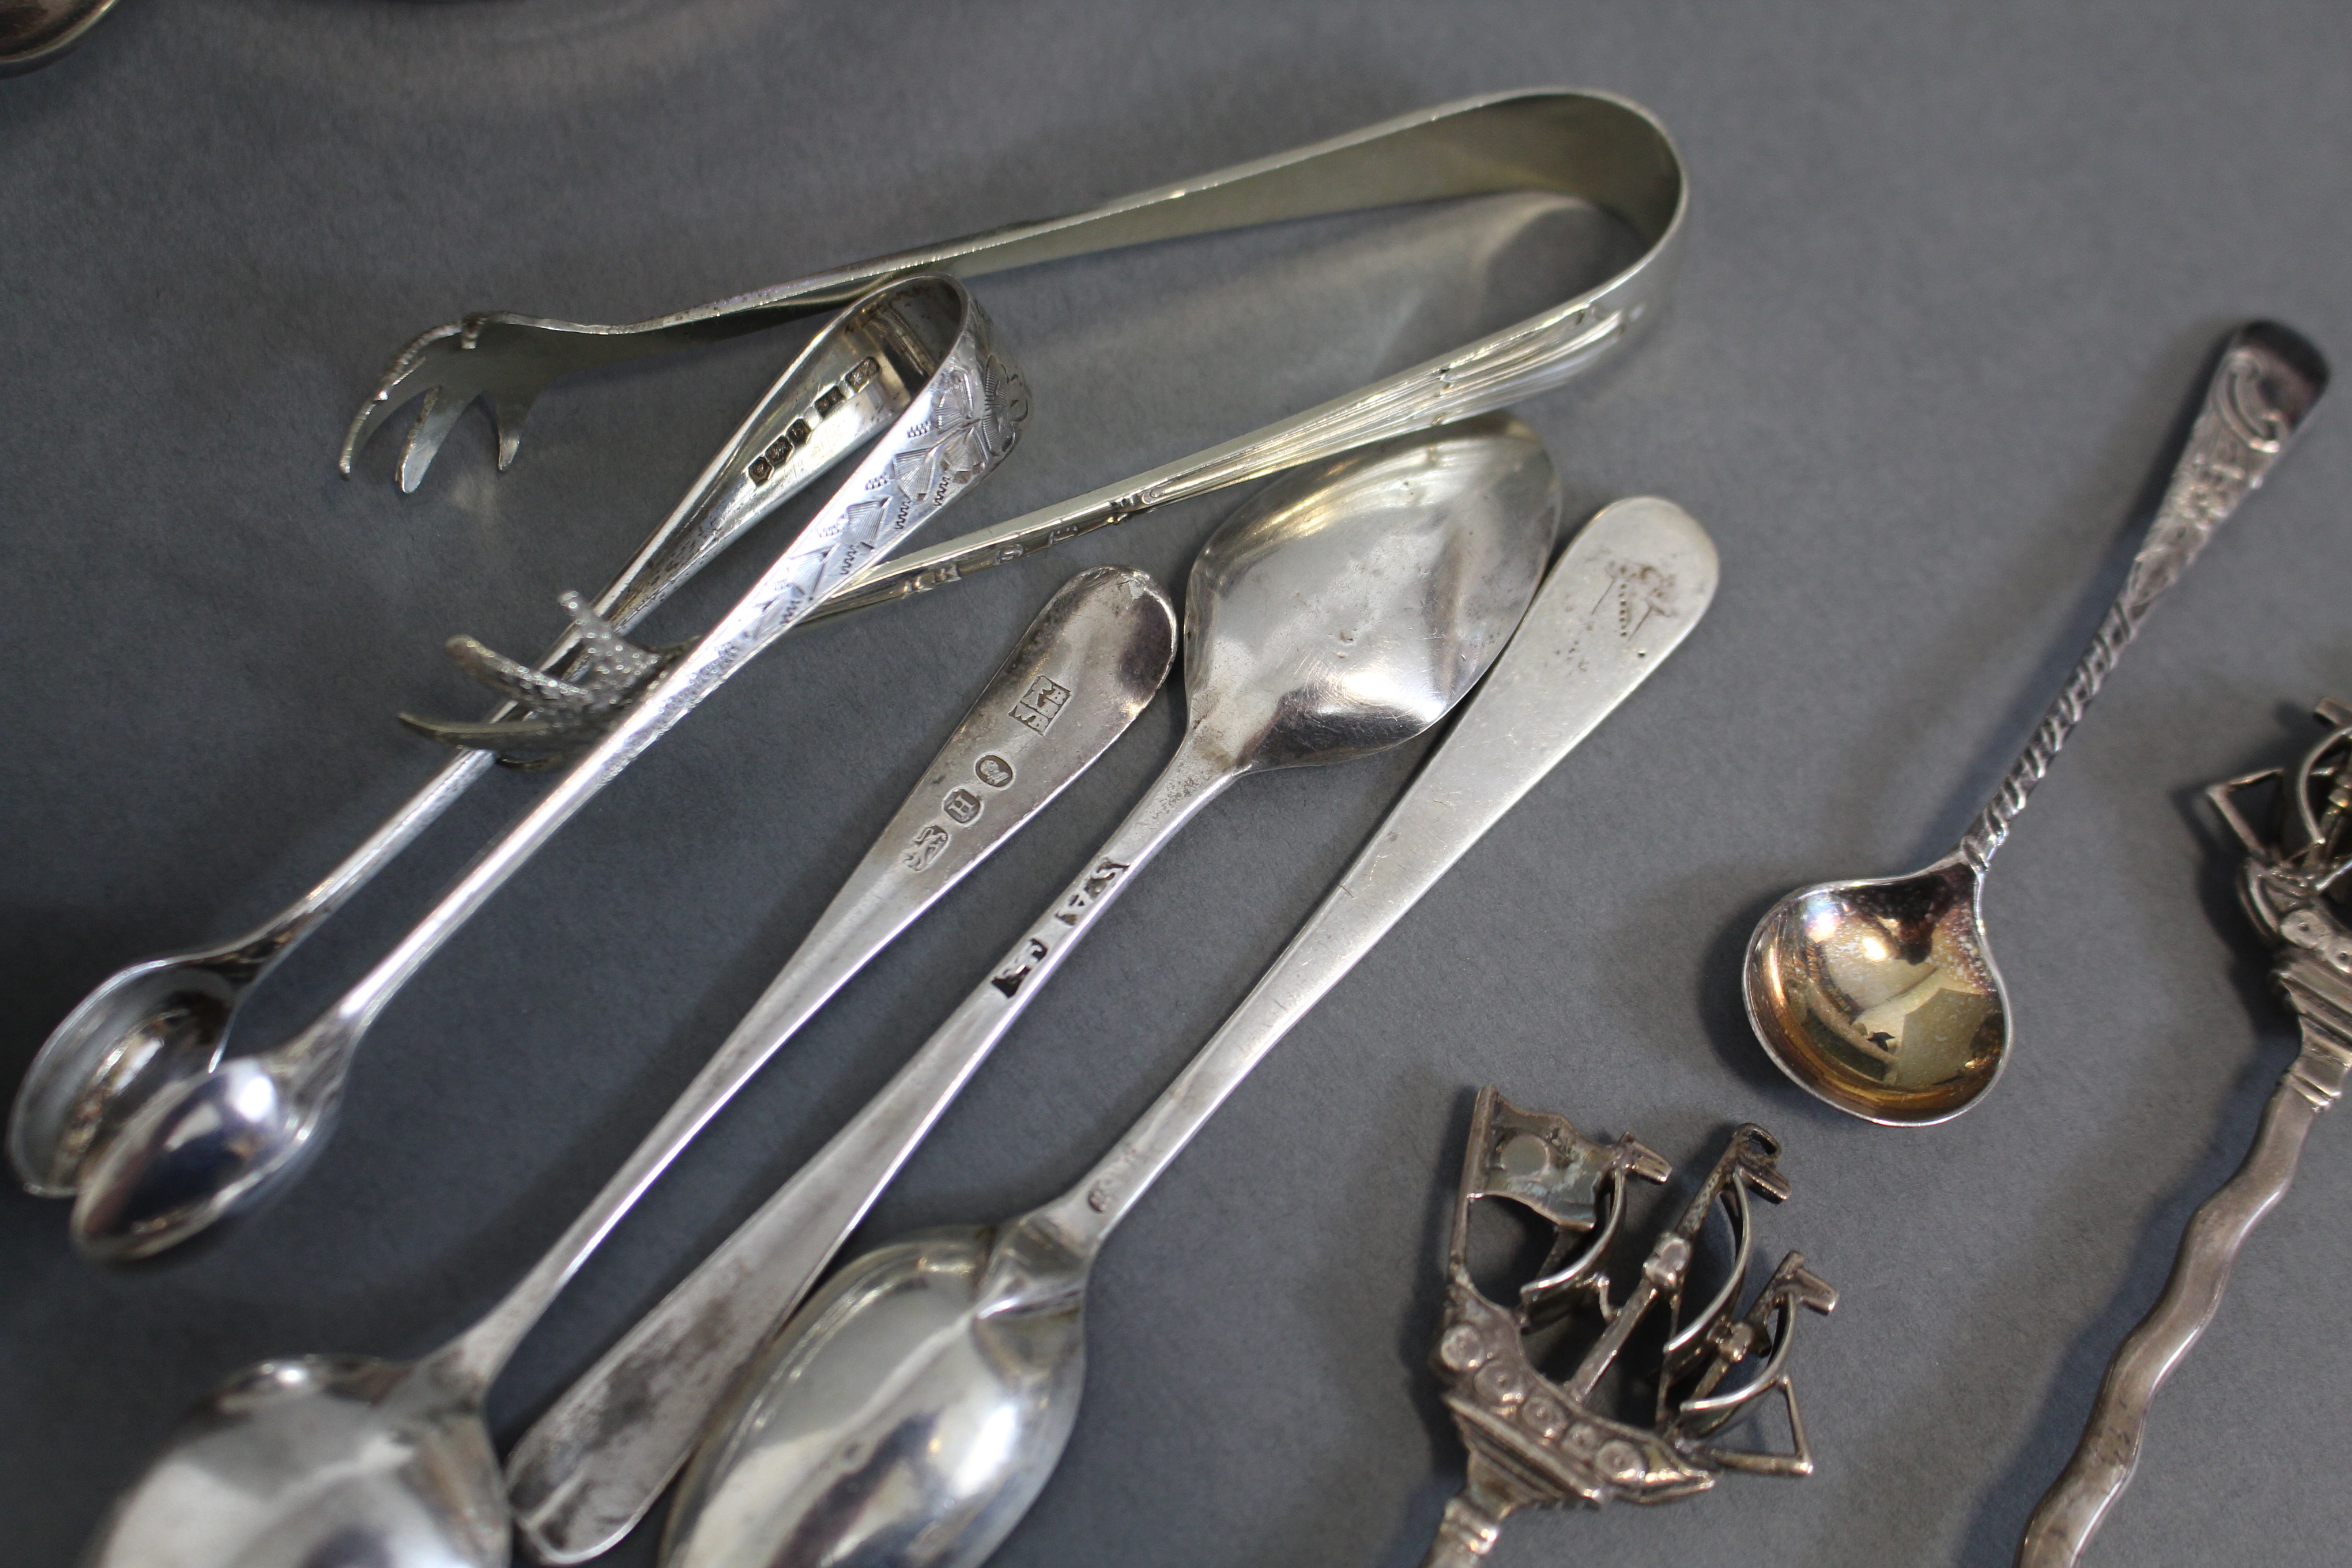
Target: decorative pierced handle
2101,1467
2262,392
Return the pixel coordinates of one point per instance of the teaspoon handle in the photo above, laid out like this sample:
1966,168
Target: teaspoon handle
2261,391
2101,1467
1096,653
1624,595
598,1459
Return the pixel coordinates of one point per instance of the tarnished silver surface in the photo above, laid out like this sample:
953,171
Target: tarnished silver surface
1589,145
1342,611
2290,886
167,1018
912,1410
210,1145
34,32
348,1460
1880,997
1537,1441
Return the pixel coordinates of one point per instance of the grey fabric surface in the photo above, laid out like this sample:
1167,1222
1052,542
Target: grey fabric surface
1952,273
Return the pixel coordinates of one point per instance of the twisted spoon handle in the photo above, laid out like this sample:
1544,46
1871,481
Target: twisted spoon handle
2262,392
2068,1514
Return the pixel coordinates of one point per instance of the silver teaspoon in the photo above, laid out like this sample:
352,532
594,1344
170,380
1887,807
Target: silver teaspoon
208,1146
910,1412
1880,995
168,1018
368,1461
1341,611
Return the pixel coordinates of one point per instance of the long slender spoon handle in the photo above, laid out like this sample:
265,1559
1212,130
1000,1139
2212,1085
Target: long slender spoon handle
2261,391
1624,595
598,1459
1093,659
839,392
137,1199
2070,1511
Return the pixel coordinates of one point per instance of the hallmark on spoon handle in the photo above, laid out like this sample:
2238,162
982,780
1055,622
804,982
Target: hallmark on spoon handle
2260,394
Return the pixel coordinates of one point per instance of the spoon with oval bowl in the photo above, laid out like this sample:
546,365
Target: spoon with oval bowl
1880,997
350,1460
1341,611
911,1412
157,1023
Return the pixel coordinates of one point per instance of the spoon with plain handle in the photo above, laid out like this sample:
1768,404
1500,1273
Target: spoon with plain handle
1342,611
1880,995
911,1411
168,1018
386,1464
209,1146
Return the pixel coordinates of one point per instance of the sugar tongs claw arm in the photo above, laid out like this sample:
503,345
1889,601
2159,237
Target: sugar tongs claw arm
2285,886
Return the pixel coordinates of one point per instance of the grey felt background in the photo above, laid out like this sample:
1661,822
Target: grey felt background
1952,274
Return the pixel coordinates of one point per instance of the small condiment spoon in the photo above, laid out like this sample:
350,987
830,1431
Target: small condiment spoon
1342,611
351,1460
208,1146
165,1019
1880,995
910,1413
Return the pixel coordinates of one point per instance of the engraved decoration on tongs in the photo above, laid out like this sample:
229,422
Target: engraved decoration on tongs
1536,1440
976,416
2289,885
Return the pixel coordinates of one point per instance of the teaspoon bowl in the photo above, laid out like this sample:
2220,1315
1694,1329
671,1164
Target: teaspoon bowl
961,1414
146,1027
1880,997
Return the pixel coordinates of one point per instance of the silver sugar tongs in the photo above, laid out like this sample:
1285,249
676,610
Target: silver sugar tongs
212,1145
1591,145
159,1020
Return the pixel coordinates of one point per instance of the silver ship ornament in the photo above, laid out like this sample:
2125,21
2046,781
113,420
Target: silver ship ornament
1535,1440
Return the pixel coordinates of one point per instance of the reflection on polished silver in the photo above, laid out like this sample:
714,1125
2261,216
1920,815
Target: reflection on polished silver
1535,1441
912,1410
1340,612
34,32
1880,997
297,1463
2290,884
208,1146
168,1018
1587,145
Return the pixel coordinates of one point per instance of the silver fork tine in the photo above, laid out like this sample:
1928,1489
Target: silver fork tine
415,370
433,422
508,410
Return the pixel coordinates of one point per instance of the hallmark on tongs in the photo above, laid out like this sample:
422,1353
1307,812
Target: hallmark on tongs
1536,1439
